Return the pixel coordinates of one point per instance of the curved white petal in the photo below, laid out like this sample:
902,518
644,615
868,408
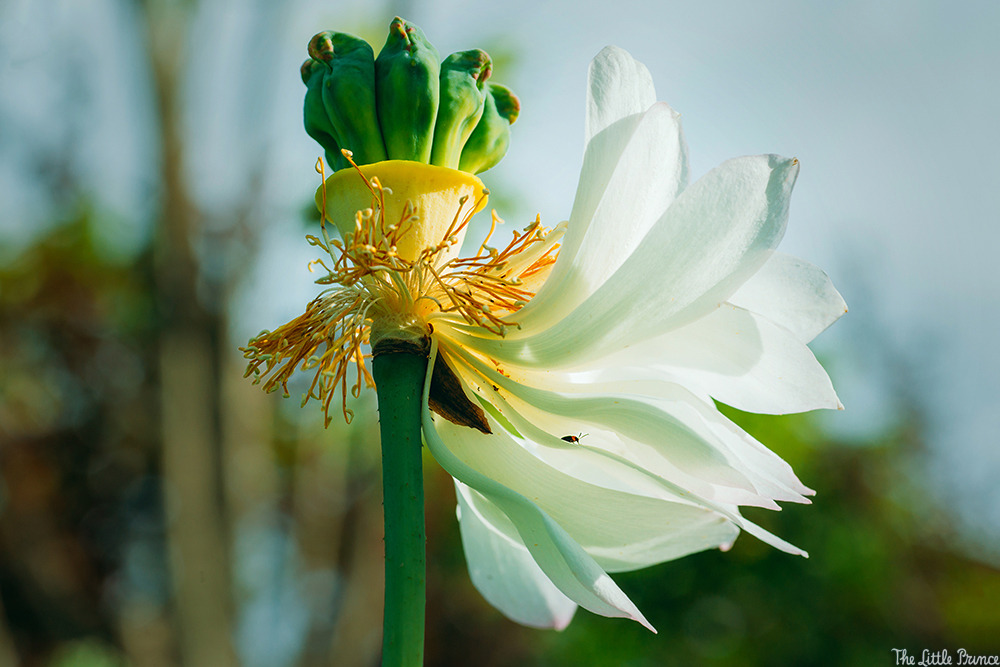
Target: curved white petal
620,86
616,204
793,294
559,556
653,426
739,358
656,530
646,456
714,236
770,478
502,569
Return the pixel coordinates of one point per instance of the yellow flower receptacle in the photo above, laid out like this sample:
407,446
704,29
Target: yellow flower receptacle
434,193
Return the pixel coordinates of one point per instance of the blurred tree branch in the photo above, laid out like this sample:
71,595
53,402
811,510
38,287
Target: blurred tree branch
189,365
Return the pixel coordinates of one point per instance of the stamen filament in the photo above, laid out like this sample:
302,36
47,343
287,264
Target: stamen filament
369,282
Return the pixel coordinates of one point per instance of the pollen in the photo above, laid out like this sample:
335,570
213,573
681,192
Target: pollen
372,291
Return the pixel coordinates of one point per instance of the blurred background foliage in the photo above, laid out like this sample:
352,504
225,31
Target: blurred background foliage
156,509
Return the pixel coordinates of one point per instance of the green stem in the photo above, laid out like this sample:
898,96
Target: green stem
399,378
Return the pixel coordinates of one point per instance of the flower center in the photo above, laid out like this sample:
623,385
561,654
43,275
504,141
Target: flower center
394,271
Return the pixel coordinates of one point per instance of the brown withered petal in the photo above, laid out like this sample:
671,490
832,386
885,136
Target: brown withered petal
448,399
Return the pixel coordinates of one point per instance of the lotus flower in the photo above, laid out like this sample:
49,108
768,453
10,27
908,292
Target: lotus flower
575,371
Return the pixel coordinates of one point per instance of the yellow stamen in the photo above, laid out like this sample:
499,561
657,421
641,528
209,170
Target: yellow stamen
379,279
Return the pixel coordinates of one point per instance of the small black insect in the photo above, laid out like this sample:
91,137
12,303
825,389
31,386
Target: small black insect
575,439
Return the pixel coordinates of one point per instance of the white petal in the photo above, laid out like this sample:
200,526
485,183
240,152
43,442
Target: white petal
794,294
768,477
740,359
620,86
616,204
562,560
558,496
659,528
502,569
769,474
716,234
656,530
652,426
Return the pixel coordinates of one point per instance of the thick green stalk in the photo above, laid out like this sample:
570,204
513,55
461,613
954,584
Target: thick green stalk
399,378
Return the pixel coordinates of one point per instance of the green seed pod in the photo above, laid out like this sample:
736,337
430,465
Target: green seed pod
489,141
463,75
508,105
314,113
407,73
348,93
